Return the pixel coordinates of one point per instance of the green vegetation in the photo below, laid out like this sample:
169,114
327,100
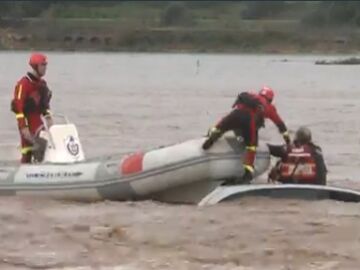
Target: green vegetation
334,13
315,13
181,25
176,14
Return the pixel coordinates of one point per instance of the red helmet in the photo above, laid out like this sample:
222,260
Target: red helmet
267,92
37,59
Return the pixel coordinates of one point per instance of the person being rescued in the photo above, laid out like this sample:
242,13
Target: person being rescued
32,100
301,163
248,115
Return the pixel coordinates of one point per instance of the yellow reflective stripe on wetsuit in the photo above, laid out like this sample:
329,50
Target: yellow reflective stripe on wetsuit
19,92
251,148
249,168
26,150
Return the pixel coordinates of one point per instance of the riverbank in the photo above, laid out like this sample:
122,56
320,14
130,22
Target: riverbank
286,37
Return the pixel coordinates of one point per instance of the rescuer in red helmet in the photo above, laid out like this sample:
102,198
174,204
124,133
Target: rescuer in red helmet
31,100
266,96
248,115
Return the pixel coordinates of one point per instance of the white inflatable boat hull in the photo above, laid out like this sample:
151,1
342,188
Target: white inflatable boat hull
178,173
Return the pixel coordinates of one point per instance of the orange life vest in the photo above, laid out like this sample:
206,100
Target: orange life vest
299,165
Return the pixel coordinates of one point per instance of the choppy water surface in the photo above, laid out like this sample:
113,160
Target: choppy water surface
126,102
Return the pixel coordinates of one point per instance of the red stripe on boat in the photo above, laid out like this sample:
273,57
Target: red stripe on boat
132,164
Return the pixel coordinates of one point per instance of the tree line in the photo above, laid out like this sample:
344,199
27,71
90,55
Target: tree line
318,13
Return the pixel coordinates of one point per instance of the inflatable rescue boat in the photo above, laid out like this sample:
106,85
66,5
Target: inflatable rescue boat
182,173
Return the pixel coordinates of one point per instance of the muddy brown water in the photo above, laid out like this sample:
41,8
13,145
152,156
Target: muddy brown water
126,102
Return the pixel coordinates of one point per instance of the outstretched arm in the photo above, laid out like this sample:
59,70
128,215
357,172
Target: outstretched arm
277,120
277,150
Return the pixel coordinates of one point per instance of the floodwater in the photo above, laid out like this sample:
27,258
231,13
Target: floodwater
126,102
